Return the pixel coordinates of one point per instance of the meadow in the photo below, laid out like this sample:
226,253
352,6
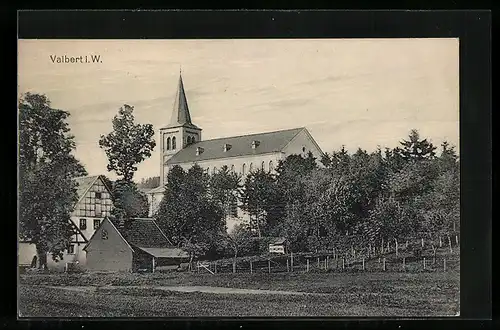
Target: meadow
333,294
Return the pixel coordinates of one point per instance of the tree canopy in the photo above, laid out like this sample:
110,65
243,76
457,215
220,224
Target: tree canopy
46,171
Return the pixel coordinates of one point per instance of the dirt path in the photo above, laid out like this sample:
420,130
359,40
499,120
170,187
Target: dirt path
206,289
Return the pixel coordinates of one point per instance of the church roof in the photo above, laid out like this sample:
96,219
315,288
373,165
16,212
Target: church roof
180,112
268,142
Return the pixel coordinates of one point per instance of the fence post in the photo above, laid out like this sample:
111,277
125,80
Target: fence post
440,242
251,270
424,262
444,264
384,264
363,263
326,266
287,265
369,250
269,265
291,261
404,266
422,242
343,263
449,242
318,262
456,239
307,265
406,244
234,266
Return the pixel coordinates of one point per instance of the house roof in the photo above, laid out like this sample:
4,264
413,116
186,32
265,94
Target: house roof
143,233
269,142
171,252
278,240
85,182
159,189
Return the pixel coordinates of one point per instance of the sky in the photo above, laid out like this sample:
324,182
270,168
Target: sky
353,92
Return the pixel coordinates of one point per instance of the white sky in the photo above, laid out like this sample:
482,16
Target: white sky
352,92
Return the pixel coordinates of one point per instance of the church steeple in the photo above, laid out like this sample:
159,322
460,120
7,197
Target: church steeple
180,132
180,112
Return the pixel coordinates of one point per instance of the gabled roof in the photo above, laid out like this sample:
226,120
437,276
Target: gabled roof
143,233
269,142
180,112
85,182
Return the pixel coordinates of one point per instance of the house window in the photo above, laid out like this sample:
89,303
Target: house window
174,143
98,195
104,234
188,140
71,249
97,222
83,224
193,139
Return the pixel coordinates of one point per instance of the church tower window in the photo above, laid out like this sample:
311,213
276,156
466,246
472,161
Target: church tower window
262,166
244,169
174,143
168,143
251,167
271,166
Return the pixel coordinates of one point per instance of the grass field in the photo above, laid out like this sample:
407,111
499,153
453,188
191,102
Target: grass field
344,294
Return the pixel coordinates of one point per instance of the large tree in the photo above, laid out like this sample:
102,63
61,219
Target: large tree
225,189
128,144
187,213
47,193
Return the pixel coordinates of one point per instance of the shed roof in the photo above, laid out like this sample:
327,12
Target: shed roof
170,252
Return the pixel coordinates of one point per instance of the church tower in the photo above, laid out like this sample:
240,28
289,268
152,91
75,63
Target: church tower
179,133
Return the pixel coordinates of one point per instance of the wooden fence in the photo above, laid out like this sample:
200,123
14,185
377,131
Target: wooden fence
394,257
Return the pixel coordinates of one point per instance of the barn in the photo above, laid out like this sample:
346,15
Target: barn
135,245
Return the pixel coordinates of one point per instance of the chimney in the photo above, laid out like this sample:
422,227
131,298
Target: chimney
227,146
255,144
199,151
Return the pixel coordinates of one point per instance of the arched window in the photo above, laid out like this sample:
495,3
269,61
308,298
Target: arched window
168,143
262,166
193,139
244,169
173,143
271,166
214,170
251,167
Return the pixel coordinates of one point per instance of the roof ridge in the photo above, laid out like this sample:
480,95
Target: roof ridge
253,134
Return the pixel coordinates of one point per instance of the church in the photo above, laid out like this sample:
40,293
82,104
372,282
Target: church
181,144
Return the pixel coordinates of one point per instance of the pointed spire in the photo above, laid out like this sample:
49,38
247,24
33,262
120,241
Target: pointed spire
180,113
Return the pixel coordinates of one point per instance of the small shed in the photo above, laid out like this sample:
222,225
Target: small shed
278,245
135,245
